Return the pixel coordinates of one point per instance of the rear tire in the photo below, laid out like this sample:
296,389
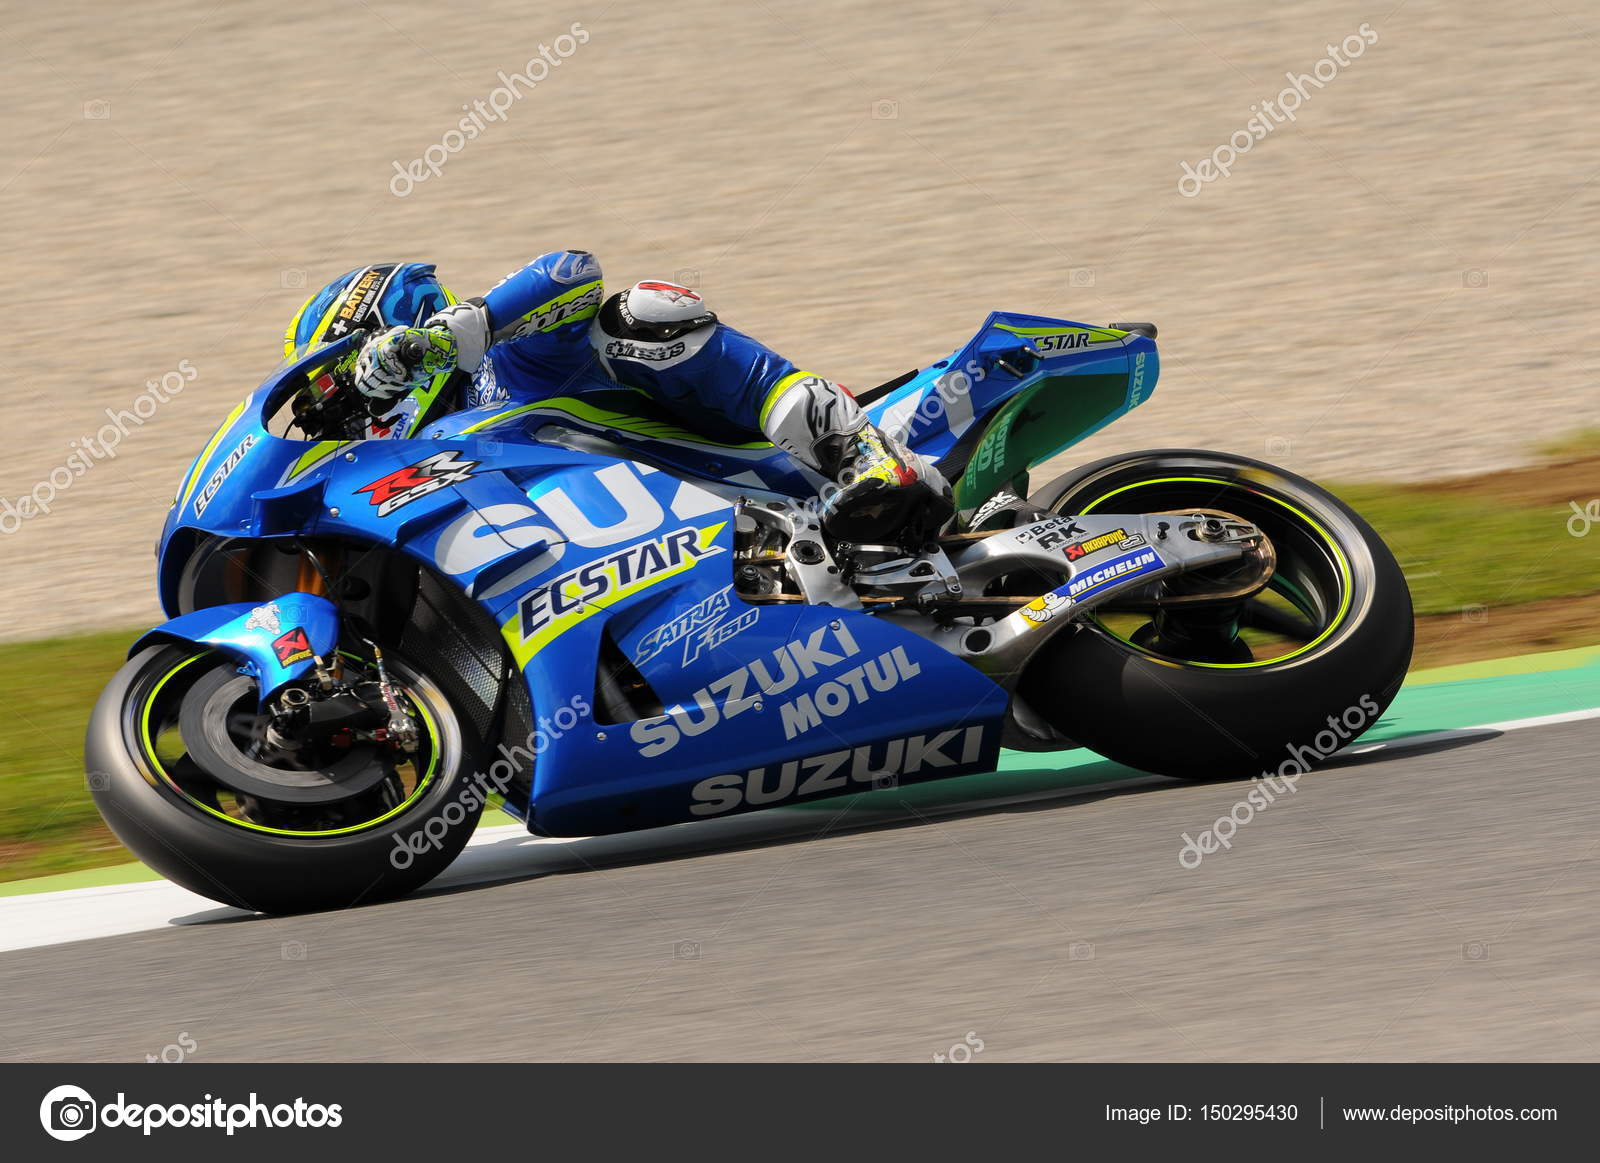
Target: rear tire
1200,720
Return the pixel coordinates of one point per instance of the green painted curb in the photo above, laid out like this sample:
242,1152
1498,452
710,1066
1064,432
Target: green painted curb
1496,667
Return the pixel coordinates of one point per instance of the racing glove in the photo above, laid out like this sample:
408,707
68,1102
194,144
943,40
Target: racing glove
402,358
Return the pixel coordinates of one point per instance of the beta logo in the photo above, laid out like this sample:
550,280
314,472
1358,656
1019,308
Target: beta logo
956,752
291,647
417,480
1129,566
1050,533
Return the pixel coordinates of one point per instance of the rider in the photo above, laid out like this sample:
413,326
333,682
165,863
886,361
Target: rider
542,328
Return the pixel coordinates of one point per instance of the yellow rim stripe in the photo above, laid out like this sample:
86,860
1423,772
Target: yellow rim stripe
155,760
1345,576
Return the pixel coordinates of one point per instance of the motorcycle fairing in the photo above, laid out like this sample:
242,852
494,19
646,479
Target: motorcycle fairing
810,683
573,552
275,642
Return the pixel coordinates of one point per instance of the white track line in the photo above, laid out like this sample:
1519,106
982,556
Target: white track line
81,914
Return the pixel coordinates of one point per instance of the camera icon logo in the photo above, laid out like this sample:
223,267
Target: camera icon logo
67,1113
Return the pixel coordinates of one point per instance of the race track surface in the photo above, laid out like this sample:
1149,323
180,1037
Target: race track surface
1435,902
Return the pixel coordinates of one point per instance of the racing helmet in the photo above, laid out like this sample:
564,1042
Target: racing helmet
368,298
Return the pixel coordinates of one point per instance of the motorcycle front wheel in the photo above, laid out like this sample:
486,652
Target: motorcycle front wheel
183,769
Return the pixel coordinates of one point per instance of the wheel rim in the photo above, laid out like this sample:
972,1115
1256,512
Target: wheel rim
161,747
1313,578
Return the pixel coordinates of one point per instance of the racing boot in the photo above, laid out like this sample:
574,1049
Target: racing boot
883,493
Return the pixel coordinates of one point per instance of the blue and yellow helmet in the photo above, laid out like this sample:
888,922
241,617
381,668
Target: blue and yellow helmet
367,298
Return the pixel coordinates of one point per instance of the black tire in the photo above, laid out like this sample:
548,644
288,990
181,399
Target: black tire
1206,721
253,869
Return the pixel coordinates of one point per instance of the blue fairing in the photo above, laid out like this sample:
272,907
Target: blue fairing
622,541
937,406
275,642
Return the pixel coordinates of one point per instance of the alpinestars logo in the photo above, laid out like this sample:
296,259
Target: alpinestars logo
650,352
417,480
559,310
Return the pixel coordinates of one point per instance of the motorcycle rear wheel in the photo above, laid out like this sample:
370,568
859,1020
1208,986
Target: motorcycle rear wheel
1322,653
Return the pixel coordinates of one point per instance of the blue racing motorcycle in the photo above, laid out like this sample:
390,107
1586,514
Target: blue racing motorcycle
602,621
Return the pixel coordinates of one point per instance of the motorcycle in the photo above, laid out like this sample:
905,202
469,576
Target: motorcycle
598,620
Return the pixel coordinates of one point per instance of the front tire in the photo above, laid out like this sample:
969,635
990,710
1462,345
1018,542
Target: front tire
247,851
1207,713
